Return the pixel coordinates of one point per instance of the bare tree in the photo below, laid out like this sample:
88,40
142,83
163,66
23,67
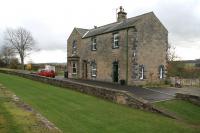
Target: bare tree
171,54
21,41
7,54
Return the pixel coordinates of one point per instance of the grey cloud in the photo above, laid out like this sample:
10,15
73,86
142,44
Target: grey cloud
180,18
46,38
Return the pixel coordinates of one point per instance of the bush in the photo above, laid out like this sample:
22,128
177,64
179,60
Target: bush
167,82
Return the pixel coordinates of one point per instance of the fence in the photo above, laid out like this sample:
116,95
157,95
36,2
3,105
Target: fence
185,82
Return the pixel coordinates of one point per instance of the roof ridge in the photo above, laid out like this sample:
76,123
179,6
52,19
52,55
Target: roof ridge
115,26
126,19
82,28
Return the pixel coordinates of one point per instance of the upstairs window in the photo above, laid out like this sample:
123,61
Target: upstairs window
74,68
74,47
116,40
94,44
94,69
161,71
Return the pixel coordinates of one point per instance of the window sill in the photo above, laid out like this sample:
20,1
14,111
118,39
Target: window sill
74,73
115,47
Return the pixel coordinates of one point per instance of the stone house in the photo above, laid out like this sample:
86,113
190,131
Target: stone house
133,50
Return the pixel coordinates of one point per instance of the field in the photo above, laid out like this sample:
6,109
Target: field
75,112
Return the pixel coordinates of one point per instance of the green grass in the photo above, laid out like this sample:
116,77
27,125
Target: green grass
15,119
75,112
189,112
7,124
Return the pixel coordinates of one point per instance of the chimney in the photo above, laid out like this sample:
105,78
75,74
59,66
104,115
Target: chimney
95,27
121,14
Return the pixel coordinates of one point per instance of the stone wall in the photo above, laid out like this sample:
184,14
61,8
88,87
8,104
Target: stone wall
189,97
75,36
152,46
116,96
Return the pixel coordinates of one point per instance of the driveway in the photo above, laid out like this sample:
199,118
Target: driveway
149,94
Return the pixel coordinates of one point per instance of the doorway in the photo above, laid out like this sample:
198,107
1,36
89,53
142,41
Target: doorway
84,69
115,71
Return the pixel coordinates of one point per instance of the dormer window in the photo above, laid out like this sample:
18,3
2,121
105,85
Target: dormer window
94,44
116,40
74,47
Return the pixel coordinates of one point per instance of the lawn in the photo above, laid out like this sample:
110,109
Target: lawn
7,125
15,119
75,112
188,111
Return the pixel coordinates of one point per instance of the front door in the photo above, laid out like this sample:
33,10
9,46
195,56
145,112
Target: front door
84,69
115,71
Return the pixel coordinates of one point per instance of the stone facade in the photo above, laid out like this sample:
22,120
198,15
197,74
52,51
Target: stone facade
133,50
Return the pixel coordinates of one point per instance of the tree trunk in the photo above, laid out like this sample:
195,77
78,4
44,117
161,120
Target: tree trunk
22,62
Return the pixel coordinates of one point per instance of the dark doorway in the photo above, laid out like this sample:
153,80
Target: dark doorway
115,71
84,69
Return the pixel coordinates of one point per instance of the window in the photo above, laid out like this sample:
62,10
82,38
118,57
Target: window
134,53
141,72
94,44
161,71
116,40
74,68
94,69
74,47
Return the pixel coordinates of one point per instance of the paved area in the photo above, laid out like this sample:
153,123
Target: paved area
152,95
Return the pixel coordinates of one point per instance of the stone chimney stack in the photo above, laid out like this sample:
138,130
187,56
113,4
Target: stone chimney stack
121,15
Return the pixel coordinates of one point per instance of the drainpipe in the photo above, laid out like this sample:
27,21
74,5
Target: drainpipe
127,56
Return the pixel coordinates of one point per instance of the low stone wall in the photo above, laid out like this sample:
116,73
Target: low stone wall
189,97
116,96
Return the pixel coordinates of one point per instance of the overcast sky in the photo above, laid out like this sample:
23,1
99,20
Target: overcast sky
52,21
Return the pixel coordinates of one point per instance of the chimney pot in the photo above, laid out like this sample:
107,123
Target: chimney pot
121,14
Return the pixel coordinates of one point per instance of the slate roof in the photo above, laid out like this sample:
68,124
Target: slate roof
130,22
82,31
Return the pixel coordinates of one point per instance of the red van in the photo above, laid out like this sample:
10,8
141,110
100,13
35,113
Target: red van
47,73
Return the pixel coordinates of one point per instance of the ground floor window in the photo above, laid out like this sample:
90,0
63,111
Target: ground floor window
141,69
161,71
74,68
94,69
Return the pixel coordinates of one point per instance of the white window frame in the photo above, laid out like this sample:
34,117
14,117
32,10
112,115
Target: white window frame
115,39
94,69
74,66
94,44
142,73
161,72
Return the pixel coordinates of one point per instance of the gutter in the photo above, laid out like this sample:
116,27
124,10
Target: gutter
127,56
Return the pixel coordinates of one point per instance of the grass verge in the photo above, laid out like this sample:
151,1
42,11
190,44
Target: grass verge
14,119
188,111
